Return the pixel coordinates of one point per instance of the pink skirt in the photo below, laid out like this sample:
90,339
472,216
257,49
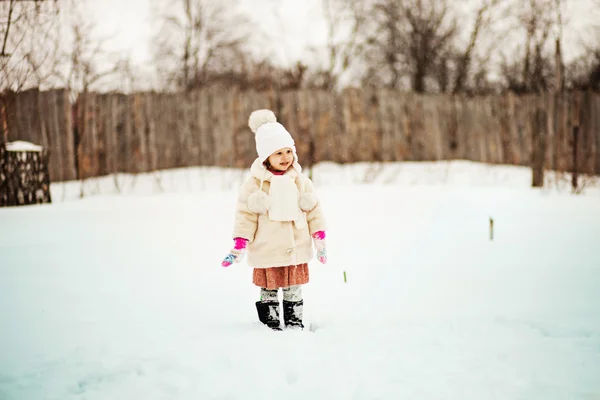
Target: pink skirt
280,277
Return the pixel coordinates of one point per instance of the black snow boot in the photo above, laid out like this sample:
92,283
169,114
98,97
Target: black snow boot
268,313
292,314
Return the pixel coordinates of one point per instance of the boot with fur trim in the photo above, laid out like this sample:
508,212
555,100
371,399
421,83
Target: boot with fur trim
268,313
292,314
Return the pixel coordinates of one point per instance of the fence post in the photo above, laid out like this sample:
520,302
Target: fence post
575,142
538,144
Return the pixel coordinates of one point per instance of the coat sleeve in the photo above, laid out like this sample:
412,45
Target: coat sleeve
246,222
315,217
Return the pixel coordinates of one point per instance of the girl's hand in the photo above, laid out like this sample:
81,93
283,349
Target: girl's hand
319,240
237,253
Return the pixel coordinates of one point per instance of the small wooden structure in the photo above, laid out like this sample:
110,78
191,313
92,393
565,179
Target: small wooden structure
24,176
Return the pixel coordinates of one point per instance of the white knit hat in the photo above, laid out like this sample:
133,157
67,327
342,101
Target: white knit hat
270,135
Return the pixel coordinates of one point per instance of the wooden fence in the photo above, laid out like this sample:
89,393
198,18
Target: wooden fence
107,133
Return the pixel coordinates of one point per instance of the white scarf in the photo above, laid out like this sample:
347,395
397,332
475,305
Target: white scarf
284,201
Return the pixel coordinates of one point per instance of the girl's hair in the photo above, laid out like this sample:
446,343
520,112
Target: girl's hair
267,164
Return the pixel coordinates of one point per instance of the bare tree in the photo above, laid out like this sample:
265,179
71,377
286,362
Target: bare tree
383,55
559,68
483,19
199,39
30,39
430,31
583,72
530,68
346,23
85,63
410,38
83,58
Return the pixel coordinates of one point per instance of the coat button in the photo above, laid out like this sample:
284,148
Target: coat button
289,251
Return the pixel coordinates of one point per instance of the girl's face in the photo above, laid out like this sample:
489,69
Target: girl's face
282,159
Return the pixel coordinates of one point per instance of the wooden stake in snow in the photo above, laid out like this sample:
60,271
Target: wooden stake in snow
24,177
491,228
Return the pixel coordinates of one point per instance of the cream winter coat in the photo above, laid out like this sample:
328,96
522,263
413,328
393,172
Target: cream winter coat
273,243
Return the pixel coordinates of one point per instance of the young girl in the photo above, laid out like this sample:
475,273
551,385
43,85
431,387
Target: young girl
277,220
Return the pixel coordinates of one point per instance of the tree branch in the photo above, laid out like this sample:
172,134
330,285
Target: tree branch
10,12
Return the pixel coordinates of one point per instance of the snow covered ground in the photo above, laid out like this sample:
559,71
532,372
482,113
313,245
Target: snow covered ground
121,296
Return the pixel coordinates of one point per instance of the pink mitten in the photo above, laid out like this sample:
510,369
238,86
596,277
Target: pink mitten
237,253
319,240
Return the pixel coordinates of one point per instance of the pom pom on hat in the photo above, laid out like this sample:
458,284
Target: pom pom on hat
260,117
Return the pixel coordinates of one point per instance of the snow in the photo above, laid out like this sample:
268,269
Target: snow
121,295
21,145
